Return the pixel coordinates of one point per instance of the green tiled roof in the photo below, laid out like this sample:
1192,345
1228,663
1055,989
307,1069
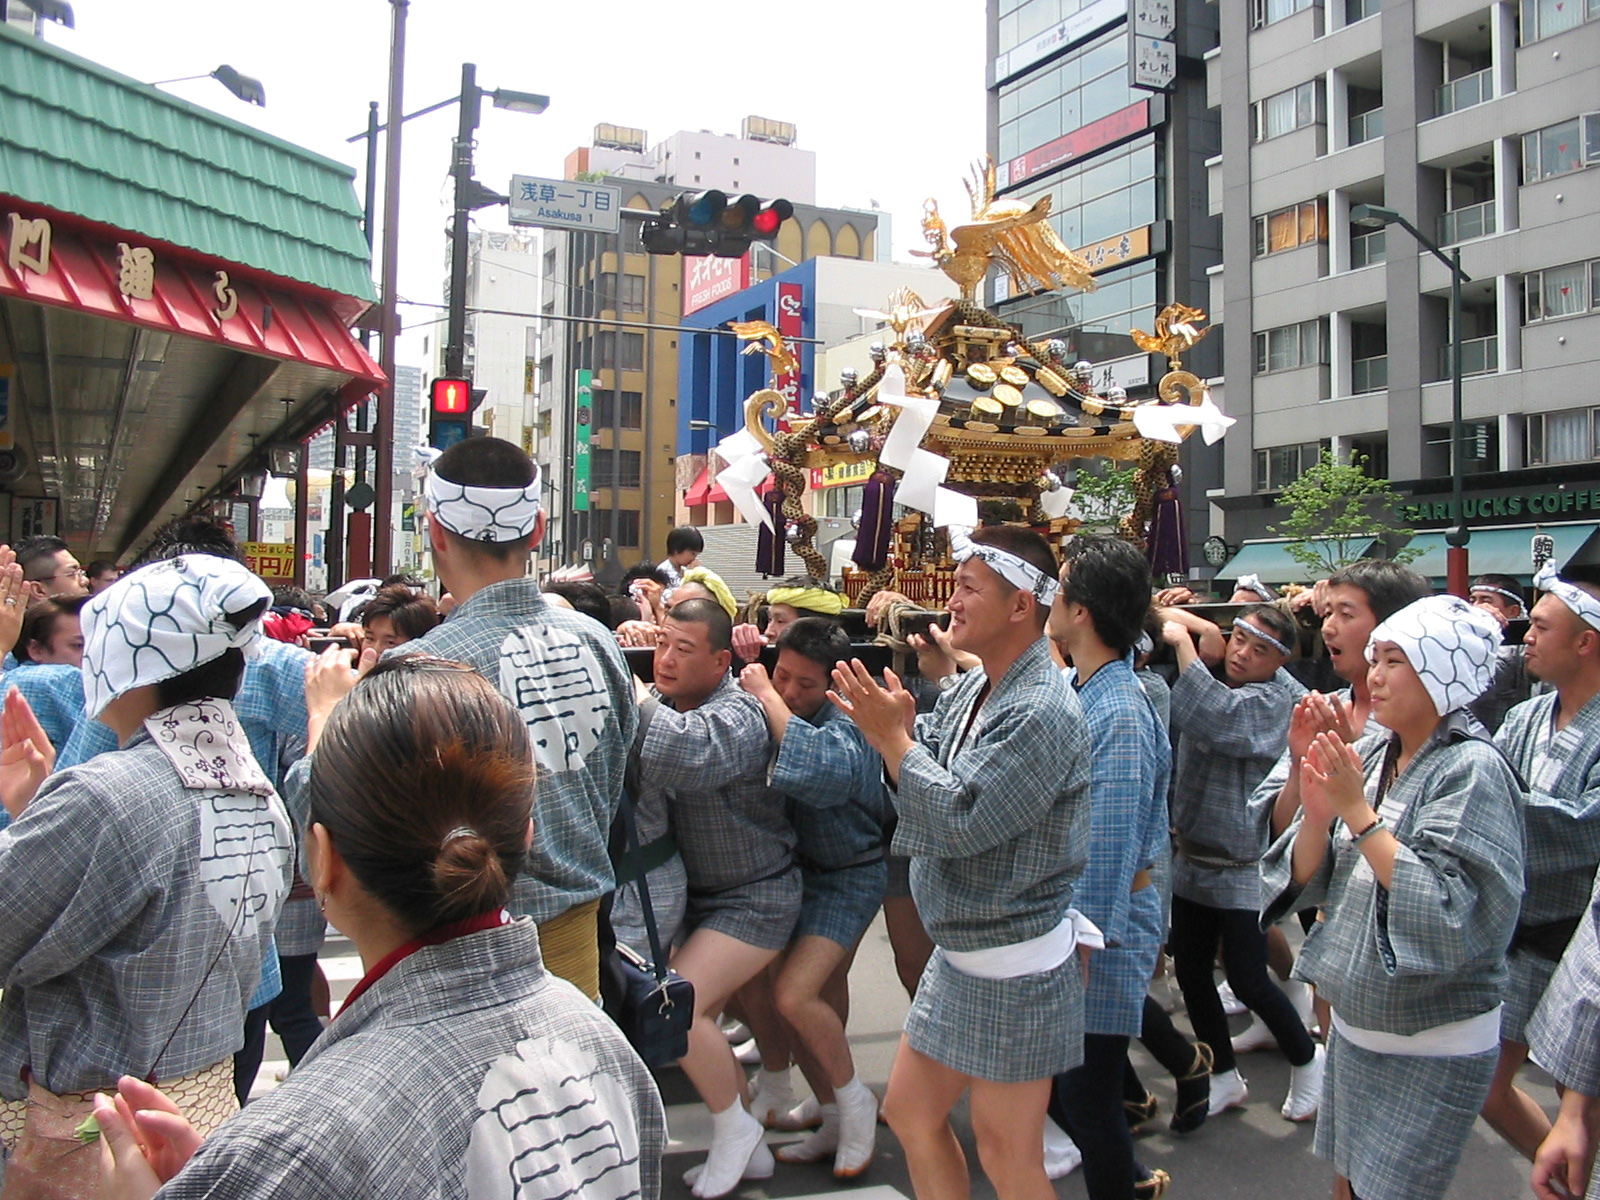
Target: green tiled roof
79,138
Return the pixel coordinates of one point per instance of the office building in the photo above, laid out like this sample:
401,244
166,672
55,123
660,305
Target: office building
1125,168
1475,122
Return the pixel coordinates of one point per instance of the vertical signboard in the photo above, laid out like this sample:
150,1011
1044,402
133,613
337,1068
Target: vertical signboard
1152,51
582,424
791,303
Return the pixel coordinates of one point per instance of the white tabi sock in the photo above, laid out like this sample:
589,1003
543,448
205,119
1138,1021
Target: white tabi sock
772,1096
858,1128
736,1153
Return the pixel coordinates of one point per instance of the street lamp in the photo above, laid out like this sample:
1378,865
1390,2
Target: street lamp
705,426
51,10
245,87
471,194
1372,216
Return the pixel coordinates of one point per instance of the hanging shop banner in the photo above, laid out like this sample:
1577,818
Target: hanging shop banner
583,423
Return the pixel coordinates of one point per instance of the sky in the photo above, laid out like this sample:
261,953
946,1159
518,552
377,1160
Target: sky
888,93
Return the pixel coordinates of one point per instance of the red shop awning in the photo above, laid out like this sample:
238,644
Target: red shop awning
165,287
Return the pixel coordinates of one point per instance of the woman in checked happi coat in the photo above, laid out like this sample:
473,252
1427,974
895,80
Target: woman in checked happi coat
1411,843
459,1066
138,891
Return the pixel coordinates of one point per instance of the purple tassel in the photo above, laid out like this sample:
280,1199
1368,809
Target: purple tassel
1165,546
877,522
769,545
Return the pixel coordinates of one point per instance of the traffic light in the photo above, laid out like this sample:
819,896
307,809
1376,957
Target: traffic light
451,405
709,222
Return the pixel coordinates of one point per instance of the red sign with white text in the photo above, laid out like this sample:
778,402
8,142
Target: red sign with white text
707,279
1086,139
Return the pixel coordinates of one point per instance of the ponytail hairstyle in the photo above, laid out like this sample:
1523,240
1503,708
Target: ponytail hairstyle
424,781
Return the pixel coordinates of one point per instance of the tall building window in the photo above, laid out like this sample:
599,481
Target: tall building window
628,527
1266,12
1278,466
1110,194
614,468
633,293
1065,95
1290,347
1287,111
1557,149
1562,291
1288,228
1544,18
632,357
1559,437
618,409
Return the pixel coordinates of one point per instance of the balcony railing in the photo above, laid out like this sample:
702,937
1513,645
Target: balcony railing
1366,126
1463,224
1371,374
1366,249
1464,92
1479,356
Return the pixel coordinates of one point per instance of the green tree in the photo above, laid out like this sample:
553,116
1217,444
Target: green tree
1104,496
1335,511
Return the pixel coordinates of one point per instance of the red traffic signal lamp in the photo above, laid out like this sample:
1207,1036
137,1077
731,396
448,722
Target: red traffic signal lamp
451,397
451,402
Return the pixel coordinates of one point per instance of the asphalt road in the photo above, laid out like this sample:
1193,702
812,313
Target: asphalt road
1249,1154
1246,1154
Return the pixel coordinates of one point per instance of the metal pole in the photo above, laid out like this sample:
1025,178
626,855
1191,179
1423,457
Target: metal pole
371,208
1456,539
383,539
455,346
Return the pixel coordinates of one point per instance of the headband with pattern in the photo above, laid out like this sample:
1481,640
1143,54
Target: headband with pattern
1579,601
1018,572
162,620
1449,643
1253,584
484,514
1514,597
1253,631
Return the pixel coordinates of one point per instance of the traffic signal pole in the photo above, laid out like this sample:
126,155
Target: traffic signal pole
455,345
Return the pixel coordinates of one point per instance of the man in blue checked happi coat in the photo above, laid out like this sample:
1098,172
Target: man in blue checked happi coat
1097,618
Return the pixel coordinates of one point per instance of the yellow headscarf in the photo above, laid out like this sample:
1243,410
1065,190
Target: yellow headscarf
817,600
712,582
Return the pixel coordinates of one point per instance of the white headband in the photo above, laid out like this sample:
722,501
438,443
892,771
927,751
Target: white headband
1018,572
1449,643
484,514
1241,623
1514,597
1252,583
1579,601
163,620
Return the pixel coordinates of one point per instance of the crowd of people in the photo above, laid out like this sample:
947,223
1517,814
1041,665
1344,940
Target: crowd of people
1080,774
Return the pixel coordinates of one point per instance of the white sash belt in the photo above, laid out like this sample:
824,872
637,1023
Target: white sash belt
1043,953
1471,1036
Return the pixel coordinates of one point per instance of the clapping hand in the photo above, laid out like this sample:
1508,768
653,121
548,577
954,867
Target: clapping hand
1332,784
886,715
26,755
